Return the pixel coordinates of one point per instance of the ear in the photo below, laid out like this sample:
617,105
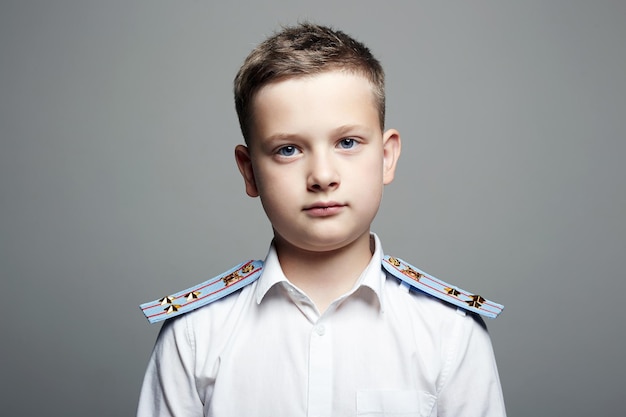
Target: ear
244,163
392,145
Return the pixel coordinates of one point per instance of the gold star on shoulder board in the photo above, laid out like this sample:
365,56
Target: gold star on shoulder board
412,273
394,262
171,308
166,300
192,295
232,278
476,301
247,268
452,291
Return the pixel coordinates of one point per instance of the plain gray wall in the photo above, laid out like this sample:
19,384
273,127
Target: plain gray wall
118,184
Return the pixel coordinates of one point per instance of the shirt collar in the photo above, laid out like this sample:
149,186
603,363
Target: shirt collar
272,274
372,277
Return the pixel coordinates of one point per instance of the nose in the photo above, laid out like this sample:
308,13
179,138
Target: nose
323,174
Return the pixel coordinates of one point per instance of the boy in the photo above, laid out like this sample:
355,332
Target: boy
319,328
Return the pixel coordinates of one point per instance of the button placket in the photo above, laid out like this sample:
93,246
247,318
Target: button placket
320,372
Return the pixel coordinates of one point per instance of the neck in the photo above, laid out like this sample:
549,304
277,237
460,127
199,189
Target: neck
324,276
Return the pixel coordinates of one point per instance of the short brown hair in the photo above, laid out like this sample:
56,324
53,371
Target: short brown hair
302,50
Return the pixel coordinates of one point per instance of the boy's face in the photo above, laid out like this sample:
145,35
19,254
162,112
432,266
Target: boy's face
318,159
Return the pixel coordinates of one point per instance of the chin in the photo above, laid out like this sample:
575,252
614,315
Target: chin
329,243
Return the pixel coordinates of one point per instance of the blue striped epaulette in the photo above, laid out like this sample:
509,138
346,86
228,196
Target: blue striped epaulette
204,293
439,289
246,273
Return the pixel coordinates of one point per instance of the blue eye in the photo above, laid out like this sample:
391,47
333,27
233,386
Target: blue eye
288,150
347,143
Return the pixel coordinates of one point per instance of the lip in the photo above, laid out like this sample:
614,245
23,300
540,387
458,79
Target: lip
324,208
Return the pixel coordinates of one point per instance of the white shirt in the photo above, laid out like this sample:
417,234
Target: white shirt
379,350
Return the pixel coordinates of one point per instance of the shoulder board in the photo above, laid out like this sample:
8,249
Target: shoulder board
424,282
247,272
204,293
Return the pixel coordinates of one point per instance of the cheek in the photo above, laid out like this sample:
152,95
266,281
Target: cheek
265,179
373,170
275,189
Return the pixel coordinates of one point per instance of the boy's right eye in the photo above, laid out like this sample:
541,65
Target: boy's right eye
288,150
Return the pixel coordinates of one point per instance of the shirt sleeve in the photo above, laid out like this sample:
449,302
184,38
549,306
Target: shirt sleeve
470,385
169,387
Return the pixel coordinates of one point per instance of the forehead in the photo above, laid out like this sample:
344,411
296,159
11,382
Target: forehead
310,104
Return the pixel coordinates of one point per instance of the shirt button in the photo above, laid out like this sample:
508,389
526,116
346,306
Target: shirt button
320,330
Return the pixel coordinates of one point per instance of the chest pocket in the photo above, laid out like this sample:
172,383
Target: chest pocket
406,403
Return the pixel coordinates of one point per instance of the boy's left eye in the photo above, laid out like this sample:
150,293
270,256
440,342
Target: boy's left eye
347,143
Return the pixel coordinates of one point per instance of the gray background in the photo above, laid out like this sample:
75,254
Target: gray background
118,184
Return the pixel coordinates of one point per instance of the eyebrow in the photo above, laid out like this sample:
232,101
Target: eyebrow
341,130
